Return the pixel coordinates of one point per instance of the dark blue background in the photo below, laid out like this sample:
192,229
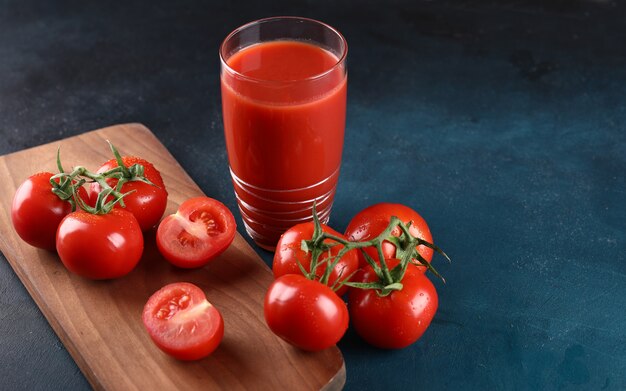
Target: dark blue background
502,123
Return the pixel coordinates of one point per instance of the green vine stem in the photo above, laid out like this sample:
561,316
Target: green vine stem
388,280
65,185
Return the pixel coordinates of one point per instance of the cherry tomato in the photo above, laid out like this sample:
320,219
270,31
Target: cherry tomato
199,231
146,202
36,211
398,319
182,322
100,246
373,220
305,313
289,253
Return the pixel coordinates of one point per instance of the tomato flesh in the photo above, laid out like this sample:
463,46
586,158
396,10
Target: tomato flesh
182,322
373,220
305,313
398,319
199,231
289,253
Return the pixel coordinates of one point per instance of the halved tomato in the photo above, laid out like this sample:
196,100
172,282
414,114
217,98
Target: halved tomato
200,230
182,322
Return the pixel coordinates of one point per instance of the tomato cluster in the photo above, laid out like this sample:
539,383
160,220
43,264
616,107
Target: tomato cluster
391,302
95,221
97,229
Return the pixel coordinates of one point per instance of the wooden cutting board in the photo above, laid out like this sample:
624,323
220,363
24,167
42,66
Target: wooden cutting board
100,321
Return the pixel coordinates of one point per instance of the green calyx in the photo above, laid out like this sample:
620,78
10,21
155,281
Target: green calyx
126,174
388,280
65,185
319,245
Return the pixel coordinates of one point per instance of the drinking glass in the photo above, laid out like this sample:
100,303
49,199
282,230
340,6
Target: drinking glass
284,87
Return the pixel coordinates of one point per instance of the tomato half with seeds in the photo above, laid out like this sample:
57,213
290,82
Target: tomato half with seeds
199,231
146,202
305,313
36,211
373,220
289,252
398,319
182,323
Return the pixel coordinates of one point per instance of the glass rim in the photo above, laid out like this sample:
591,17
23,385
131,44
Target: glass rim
320,75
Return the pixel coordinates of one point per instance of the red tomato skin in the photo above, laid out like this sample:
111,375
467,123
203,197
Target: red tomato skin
399,319
289,252
189,252
146,202
100,247
305,313
36,211
207,326
373,220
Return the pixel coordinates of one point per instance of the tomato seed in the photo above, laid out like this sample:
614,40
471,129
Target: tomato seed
174,305
211,224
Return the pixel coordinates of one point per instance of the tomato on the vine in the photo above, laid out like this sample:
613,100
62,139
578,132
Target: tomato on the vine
199,231
305,313
100,246
398,319
182,322
289,253
145,201
373,220
36,211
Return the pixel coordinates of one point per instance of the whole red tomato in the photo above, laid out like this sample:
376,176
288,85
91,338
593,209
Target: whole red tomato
289,253
201,229
36,211
100,246
146,202
305,313
398,319
373,220
182,322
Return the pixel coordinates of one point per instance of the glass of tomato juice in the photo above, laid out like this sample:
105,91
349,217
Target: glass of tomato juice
284,86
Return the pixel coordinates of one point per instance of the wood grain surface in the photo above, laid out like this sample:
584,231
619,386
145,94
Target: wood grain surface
100,321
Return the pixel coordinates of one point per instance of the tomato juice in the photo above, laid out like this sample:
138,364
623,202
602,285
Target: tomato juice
284,108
